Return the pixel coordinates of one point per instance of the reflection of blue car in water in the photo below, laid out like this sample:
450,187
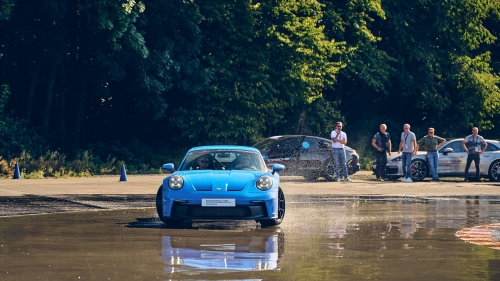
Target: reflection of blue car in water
222,182
241,251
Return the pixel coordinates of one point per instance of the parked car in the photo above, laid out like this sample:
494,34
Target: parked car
452,161
232,182
307,156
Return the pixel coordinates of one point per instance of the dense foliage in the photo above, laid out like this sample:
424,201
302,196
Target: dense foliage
141,81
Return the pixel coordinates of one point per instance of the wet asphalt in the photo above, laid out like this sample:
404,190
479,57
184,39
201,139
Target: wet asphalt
102,229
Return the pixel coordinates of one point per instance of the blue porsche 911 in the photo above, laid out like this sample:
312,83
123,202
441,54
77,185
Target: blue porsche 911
221,182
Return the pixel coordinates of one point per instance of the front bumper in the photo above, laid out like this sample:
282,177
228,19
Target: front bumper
389,169
248,206
182,210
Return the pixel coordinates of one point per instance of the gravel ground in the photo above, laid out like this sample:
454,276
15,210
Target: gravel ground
36,196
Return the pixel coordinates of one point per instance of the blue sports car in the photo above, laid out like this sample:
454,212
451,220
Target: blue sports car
221,182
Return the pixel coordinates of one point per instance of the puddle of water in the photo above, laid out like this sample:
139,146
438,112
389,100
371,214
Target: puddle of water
334,239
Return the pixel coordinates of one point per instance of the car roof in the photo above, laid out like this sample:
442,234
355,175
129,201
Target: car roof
222,147
461,139
289,136
292,136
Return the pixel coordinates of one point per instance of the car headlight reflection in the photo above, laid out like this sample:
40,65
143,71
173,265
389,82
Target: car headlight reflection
264,183
175,182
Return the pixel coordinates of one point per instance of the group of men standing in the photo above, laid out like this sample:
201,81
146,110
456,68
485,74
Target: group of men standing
473,144
408,146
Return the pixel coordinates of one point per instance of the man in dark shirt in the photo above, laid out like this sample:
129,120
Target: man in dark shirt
382,143
432,143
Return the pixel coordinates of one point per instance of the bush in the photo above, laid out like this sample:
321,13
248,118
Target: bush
15,134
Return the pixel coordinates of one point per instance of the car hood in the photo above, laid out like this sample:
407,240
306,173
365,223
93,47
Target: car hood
207,180
395,155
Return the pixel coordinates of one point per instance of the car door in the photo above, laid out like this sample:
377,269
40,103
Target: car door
487,157
312,153
452,162
286,152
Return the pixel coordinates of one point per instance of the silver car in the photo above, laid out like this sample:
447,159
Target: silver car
452,161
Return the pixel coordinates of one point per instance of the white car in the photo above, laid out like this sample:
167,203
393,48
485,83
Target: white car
452,161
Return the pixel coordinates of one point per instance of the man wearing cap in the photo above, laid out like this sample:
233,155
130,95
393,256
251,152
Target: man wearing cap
408,146
432,143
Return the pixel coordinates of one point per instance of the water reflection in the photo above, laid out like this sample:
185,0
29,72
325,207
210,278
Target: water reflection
334,239
230,251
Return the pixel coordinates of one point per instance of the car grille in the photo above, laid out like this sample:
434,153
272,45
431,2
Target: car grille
218,212
180,210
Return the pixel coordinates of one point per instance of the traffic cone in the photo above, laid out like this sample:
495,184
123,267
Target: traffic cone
123,175
17,174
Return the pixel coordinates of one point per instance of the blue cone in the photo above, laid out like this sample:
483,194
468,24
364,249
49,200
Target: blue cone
123,175
17,174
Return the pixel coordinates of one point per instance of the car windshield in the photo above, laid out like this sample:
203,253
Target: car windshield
265,144
223,159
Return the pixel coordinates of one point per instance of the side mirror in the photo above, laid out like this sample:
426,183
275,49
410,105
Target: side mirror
447,150
168,167
277,168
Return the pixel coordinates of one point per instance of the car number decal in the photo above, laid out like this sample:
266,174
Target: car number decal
218,202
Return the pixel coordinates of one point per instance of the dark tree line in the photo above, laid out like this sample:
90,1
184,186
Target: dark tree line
182,73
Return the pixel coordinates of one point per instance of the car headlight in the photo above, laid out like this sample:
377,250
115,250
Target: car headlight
175,182
264,183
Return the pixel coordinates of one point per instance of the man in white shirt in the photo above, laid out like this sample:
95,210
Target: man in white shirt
339,139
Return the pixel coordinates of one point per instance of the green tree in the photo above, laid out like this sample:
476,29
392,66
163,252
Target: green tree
15,135
265,59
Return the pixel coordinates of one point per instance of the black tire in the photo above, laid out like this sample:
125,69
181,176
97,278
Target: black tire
393,178
352,168
311,176
419,170
159,210
493,171
281,212
329,173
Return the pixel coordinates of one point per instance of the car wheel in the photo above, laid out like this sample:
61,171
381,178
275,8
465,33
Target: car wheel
330,174
159,210
352,166
311,176
393,178
493,171
281,211
419,170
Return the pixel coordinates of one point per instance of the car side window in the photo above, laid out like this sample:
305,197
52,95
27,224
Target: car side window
456,146
312,143
491,147
287,145
325,144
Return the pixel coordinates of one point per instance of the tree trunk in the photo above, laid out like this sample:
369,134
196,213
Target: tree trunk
301,124
62,108
33,79
4,78
80,107
48,100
